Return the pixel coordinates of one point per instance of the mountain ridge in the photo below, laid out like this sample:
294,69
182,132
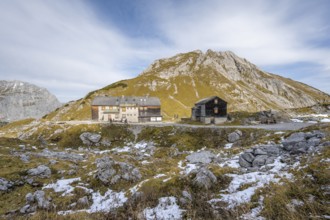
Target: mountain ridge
185,78
19,100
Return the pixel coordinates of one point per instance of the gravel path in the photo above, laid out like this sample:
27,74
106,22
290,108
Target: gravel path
272,127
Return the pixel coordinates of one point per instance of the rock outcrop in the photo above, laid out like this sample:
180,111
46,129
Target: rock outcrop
5,184
111,172
203,157
34,201
296,143
90,139
19,100
204,178
41,171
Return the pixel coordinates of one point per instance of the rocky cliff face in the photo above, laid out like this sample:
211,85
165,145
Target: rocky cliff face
19,100
182,80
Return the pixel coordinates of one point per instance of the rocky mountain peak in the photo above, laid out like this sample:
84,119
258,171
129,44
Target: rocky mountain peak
19,100
226,63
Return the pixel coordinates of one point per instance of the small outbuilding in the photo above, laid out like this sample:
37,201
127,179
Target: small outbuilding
210,110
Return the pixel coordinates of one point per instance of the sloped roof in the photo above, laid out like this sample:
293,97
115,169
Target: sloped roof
115,100
205,100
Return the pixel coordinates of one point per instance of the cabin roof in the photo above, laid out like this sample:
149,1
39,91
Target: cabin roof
120,100
205,100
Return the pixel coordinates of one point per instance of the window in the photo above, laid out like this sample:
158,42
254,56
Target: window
123,109
216,110
103,107
215,101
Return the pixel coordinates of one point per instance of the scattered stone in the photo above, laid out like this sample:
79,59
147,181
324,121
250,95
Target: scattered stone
5,184
243,163
28,209
41,171
204,178
34,201
43,142
249,157
234,136
71,172
60,155
83,201
89,138
111,172
258,151
42,202
52,162
300,142
187,195
22,147
259,160
204,157
25,158
29,198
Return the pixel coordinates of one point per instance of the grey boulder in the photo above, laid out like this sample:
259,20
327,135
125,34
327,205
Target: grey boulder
89,138
41,171
5,184
110,172
259,160
203,157
204,178
234,136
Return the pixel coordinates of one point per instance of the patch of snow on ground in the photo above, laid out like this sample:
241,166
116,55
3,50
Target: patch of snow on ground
296,120
167,209
312,122
108,202
228,146
279,132
142,145
111,200
101,152
62,186
188,168
325,120
145,162
159,175
232,162
257,179
135,188
121,149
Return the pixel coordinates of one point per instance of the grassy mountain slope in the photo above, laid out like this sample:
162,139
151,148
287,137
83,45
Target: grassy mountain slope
182,80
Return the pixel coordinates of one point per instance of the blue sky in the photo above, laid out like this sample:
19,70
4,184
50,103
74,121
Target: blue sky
74,47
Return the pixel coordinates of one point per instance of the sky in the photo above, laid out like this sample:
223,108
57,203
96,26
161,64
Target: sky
77,46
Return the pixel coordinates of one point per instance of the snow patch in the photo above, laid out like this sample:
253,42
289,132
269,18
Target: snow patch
121,150
167,209
233,162
228,146
111,200
296,120
234,197
325,120
62,186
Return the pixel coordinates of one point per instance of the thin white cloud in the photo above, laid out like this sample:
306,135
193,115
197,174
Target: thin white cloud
54,43
267,33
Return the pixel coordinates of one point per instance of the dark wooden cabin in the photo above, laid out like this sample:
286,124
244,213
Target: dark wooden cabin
210,110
